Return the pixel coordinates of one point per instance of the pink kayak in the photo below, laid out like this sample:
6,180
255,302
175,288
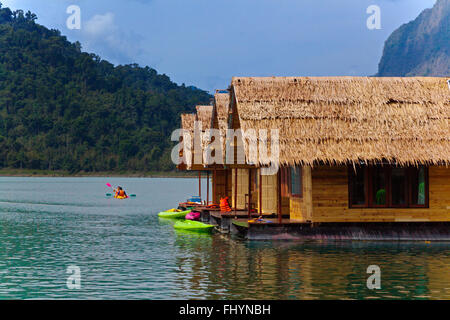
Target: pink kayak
193,216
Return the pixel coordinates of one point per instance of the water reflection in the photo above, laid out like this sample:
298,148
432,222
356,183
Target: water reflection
126,252
229,269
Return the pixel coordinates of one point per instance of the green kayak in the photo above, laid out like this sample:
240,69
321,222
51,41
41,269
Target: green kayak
173,215
190,225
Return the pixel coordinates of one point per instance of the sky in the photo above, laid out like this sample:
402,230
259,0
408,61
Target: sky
206,42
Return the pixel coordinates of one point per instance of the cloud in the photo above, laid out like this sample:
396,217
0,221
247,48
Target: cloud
10,3
100,25
103,35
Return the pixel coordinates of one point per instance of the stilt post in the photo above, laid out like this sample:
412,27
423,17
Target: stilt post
280,216
207,187
249,193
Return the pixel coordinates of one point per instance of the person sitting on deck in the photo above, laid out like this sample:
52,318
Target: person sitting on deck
224,206
121,193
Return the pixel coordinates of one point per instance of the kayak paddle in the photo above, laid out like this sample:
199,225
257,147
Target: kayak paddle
109,194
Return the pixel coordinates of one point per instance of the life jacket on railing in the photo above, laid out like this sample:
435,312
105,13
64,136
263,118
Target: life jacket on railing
224,206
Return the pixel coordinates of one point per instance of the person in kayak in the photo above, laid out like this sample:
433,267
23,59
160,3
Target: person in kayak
121,193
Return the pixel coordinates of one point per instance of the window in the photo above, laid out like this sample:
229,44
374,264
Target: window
296,181
284,172
388,187
379,180
418,186
358,187
398,187
254,177
291,181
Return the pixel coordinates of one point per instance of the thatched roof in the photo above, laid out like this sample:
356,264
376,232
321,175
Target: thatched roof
205,117
204,114
187,124
221,107
222,103
349,119
187,121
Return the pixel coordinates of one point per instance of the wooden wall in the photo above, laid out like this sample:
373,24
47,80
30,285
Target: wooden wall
229,186
285,205
242,188
220,184
330,199
255,192
301,207
269,194
296,205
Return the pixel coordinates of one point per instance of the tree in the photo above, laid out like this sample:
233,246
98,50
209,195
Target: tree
64,109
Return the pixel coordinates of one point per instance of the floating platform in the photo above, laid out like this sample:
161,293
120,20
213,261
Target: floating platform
223,219
335,231
237,223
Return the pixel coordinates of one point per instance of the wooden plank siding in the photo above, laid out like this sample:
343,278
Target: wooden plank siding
285,205
330,199
242,188
296,208
220,185
307,193
269,194
229,186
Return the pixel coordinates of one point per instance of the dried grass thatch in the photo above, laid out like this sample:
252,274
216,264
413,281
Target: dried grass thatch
205,118
187,121
339,120
204,115
187,124
221,108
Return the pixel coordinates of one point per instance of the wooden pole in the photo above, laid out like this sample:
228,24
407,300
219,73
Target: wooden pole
214,187
280,216
260,192
235,191
226,184
249,193
307,192
207,187
200,184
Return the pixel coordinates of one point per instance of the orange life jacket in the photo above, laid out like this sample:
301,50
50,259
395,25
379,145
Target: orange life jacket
120,193
224,206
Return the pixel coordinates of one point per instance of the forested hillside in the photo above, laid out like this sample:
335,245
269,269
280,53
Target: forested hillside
64,109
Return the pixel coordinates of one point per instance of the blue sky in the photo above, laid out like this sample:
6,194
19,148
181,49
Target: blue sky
206,42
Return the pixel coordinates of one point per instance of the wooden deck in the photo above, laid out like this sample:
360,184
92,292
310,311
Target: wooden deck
290,229
270,228
239,214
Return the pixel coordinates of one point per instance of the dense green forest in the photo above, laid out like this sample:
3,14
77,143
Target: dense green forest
64,109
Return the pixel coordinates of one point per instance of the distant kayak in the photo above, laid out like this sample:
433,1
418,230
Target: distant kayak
174,214
118,197
190,225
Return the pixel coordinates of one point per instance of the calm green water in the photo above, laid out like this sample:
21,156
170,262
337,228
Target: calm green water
125,252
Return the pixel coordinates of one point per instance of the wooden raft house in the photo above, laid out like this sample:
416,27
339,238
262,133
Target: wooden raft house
359,158
191,145
193,151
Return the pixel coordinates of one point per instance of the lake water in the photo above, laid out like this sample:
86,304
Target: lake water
124,251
